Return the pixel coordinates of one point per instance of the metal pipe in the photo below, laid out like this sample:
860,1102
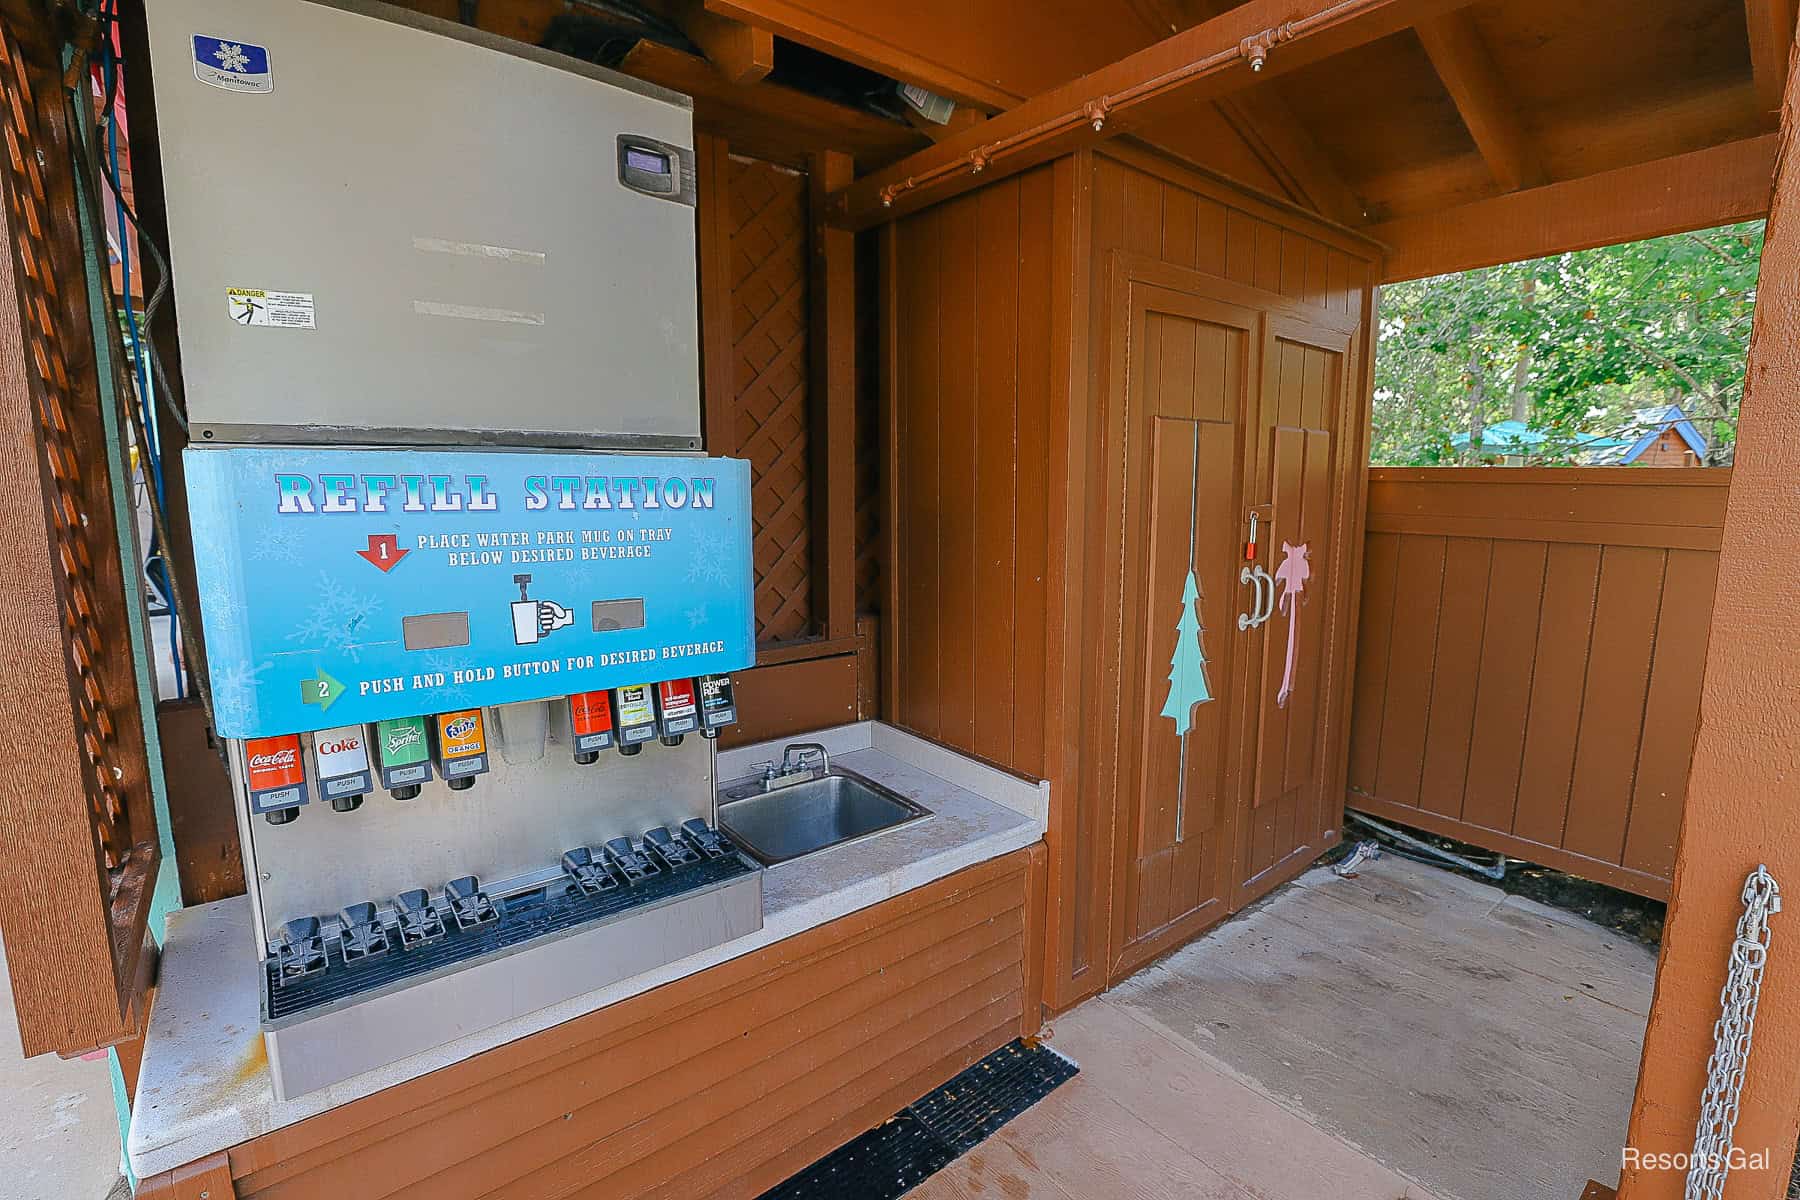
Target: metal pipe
1253,49
1496,872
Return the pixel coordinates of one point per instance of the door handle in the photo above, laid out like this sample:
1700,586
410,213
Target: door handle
1257,615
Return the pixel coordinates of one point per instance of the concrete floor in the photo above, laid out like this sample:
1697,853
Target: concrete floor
1407,1033
59,1137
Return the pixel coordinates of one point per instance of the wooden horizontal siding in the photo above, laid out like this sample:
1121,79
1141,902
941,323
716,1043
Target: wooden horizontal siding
717,1085
1529,663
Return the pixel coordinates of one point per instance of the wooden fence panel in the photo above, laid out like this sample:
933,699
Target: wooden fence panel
1528,673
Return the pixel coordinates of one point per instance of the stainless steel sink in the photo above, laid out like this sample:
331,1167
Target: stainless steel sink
803,817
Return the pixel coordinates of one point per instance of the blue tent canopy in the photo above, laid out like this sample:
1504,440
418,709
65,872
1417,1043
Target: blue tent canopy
1518,438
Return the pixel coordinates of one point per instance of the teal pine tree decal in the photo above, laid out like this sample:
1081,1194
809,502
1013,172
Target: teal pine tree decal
1187,670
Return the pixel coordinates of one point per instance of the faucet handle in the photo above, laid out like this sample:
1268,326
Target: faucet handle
766,767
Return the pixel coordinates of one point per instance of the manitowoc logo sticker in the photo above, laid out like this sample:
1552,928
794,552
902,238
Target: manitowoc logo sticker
232,65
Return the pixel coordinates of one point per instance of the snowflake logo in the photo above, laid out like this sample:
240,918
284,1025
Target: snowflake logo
279,546
234,694
446,665
231,57
337,620
707,562
696,617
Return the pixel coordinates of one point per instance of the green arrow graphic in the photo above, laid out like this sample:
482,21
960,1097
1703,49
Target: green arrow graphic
322,691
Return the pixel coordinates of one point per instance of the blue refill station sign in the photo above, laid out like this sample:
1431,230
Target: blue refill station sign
340,586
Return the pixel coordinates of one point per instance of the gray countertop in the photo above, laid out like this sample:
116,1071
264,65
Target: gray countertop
204,1084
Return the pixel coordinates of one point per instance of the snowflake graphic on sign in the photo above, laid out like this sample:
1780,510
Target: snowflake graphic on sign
707,561
1187,669
231,56
337,619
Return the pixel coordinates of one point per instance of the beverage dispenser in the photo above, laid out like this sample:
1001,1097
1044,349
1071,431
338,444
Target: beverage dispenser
472,590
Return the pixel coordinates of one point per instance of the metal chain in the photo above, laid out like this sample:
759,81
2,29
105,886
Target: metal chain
1711,1159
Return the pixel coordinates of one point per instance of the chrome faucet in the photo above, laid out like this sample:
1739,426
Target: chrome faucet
797,760
795,756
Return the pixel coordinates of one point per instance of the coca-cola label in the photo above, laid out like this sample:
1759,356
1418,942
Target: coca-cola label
274,762
590,719
274,773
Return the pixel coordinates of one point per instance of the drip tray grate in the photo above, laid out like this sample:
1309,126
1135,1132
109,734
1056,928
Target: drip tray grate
558,908
933,1131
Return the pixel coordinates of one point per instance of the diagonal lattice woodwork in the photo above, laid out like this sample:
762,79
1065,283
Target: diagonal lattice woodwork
82,752
769,336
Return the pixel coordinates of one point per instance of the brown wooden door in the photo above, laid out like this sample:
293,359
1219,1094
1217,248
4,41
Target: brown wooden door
1298,481
1221,400
1184,395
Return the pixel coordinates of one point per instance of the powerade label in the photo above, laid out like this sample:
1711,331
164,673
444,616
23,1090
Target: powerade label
462,743
405,754
274,773
636,713
341,756
718,704
675,707
590,719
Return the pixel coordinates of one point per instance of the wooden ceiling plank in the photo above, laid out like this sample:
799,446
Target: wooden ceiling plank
741,52
1157,83
1482,97
1771,24
847,40
1278,137
1698,190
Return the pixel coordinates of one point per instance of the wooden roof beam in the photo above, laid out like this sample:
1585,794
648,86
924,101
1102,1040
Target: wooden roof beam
1213,59
1771,24
1714,186
1487,107
741,52
1278,138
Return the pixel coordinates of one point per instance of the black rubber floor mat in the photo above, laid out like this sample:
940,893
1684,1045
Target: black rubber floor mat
933,1131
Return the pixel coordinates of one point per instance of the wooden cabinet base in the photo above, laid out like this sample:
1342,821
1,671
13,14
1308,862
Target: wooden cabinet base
717,1085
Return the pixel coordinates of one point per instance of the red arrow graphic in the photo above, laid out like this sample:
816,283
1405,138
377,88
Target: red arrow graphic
384,551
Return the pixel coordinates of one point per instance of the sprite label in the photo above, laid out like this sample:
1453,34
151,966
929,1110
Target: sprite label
402,741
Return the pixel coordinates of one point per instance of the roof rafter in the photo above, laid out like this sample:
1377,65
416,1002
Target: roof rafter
1210,60
1771,24
1278,138
1488,110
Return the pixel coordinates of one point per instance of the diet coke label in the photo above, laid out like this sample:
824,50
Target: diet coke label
342,756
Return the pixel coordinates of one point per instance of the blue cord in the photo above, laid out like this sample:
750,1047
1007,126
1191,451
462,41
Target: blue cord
146,408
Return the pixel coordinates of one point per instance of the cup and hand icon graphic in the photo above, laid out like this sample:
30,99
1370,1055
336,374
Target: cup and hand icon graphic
535,619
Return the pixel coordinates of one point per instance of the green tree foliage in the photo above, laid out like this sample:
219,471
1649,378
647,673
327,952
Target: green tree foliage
1573,344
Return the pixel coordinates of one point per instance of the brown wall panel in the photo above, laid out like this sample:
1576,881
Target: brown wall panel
972,413
795,697
720,1084
1534,640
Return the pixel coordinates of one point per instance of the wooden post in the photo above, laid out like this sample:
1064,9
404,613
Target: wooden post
1743,805
832,306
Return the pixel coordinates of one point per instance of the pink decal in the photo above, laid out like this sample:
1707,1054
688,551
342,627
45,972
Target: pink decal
1292,575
